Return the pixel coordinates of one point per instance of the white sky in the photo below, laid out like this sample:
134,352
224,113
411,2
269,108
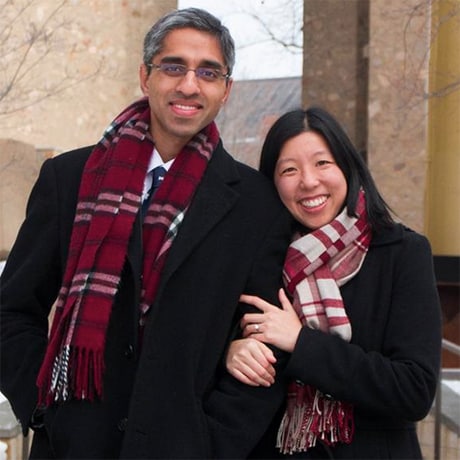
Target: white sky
256,55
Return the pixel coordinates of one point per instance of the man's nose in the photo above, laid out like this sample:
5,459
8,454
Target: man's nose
189,83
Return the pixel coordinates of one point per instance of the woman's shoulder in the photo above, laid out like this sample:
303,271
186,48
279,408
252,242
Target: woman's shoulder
401,238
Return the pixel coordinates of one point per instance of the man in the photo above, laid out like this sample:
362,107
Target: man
147,301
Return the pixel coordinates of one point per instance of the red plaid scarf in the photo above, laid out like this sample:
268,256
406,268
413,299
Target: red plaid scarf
109,199
316,265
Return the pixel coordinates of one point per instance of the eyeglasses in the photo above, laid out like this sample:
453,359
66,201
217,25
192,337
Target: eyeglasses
207,74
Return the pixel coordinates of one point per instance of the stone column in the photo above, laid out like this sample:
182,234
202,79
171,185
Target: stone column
335,68
398,68
19,166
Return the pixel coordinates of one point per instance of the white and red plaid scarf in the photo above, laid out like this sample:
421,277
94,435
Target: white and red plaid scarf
316,265
109,199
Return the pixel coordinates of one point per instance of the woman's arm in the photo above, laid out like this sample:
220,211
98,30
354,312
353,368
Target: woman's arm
391,366
249,360
279,327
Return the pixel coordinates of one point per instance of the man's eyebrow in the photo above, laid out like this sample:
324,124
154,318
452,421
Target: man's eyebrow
173,59
205,63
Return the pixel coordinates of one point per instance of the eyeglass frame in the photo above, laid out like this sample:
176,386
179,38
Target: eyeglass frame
188,69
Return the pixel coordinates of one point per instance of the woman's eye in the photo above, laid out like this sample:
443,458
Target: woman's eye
288,170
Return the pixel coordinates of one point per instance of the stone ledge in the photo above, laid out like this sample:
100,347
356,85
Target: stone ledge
9,425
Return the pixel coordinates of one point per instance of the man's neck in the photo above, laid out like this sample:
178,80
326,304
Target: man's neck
170,149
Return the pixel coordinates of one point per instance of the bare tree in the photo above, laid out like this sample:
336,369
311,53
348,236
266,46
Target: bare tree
416,59
33,37
283,24
453,16
280,23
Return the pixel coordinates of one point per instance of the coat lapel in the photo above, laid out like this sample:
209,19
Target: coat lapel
134,254
214,198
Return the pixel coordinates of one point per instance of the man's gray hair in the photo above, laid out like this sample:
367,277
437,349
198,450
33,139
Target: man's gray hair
193,18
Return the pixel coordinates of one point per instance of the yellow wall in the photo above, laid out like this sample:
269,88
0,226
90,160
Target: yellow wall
442,217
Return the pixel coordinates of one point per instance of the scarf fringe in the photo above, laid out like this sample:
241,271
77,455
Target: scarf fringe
312,417
77,373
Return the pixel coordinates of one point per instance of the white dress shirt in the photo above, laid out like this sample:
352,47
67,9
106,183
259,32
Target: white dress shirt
155,160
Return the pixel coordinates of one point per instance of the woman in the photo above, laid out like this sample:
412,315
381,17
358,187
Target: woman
363,325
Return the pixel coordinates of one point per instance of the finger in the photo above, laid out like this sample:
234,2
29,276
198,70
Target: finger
250,362
266,372
268,355
252,371
251,318
259,374
255,355
266,380
260,360
285,302
247,332
255,301
252,329
243,378
266,358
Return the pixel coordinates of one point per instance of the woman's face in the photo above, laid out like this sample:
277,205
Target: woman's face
308,180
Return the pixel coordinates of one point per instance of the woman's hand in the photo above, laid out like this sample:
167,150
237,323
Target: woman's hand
277,326
251,362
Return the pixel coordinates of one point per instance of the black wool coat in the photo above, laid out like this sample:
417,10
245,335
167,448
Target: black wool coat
172,398
389,370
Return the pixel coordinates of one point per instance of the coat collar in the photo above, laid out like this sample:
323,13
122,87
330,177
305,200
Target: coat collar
388,235
214,197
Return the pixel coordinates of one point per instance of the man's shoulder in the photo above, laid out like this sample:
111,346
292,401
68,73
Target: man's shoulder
80,154
233,169
254,179
71,162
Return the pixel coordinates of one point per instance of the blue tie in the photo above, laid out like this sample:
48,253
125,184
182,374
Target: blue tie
158,175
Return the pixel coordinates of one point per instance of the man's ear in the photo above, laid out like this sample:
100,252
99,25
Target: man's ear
227,91
144,79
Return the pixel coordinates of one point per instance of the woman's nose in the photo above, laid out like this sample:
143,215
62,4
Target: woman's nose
309,179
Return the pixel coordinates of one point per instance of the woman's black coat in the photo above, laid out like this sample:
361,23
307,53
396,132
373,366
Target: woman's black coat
390,369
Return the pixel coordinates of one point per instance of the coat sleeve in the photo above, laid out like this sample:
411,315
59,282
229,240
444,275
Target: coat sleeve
28,288
238,414
390,369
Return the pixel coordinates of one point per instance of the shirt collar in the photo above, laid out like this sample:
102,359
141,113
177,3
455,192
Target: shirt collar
155,160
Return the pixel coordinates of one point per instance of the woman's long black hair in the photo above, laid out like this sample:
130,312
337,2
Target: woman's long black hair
352,165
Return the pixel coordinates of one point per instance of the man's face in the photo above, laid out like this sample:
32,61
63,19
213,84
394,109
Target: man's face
181,106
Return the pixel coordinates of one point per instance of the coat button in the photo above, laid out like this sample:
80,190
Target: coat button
122,424
129,351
